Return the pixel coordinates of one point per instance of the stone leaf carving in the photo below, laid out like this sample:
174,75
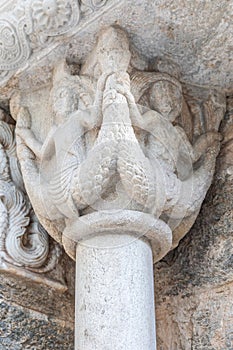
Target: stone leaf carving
23,241
127,150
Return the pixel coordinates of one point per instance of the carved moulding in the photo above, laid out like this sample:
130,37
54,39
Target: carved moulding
122,149
26,26
25,247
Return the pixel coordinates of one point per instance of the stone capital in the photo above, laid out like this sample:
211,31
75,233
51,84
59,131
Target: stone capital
114,147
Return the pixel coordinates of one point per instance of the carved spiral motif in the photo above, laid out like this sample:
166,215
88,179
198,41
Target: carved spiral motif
92,5
29,248
14,49
3,225
23,241
41,20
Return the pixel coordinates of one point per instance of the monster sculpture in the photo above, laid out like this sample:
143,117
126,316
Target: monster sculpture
125,149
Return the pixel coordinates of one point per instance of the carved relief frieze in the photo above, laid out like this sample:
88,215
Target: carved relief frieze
28,25
88,6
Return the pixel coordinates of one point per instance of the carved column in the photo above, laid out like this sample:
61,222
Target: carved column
117,171
114,294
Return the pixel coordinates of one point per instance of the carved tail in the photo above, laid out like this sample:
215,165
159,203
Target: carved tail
3,225
27,247
116,151
193,190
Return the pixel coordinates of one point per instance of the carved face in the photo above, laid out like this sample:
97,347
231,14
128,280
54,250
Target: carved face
65,101
166,98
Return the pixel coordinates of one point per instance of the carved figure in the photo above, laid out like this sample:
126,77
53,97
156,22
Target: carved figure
117,143
23,241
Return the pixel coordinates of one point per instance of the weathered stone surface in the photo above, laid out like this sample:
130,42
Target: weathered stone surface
196,33
114,146
26,329
116,149
115,294
35,316
200,320
36,277
194,283
38,297
34,25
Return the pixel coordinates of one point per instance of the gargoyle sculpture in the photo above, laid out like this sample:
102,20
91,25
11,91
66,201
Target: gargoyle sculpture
123,144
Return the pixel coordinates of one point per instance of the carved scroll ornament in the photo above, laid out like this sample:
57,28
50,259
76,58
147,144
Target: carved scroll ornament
128,150
23,241
28,25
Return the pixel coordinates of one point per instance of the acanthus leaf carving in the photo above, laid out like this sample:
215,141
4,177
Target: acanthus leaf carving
126,146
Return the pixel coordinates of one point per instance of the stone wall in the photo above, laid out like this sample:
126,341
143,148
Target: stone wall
35,316
193,284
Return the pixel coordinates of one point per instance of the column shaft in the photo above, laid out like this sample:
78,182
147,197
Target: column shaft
114,294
